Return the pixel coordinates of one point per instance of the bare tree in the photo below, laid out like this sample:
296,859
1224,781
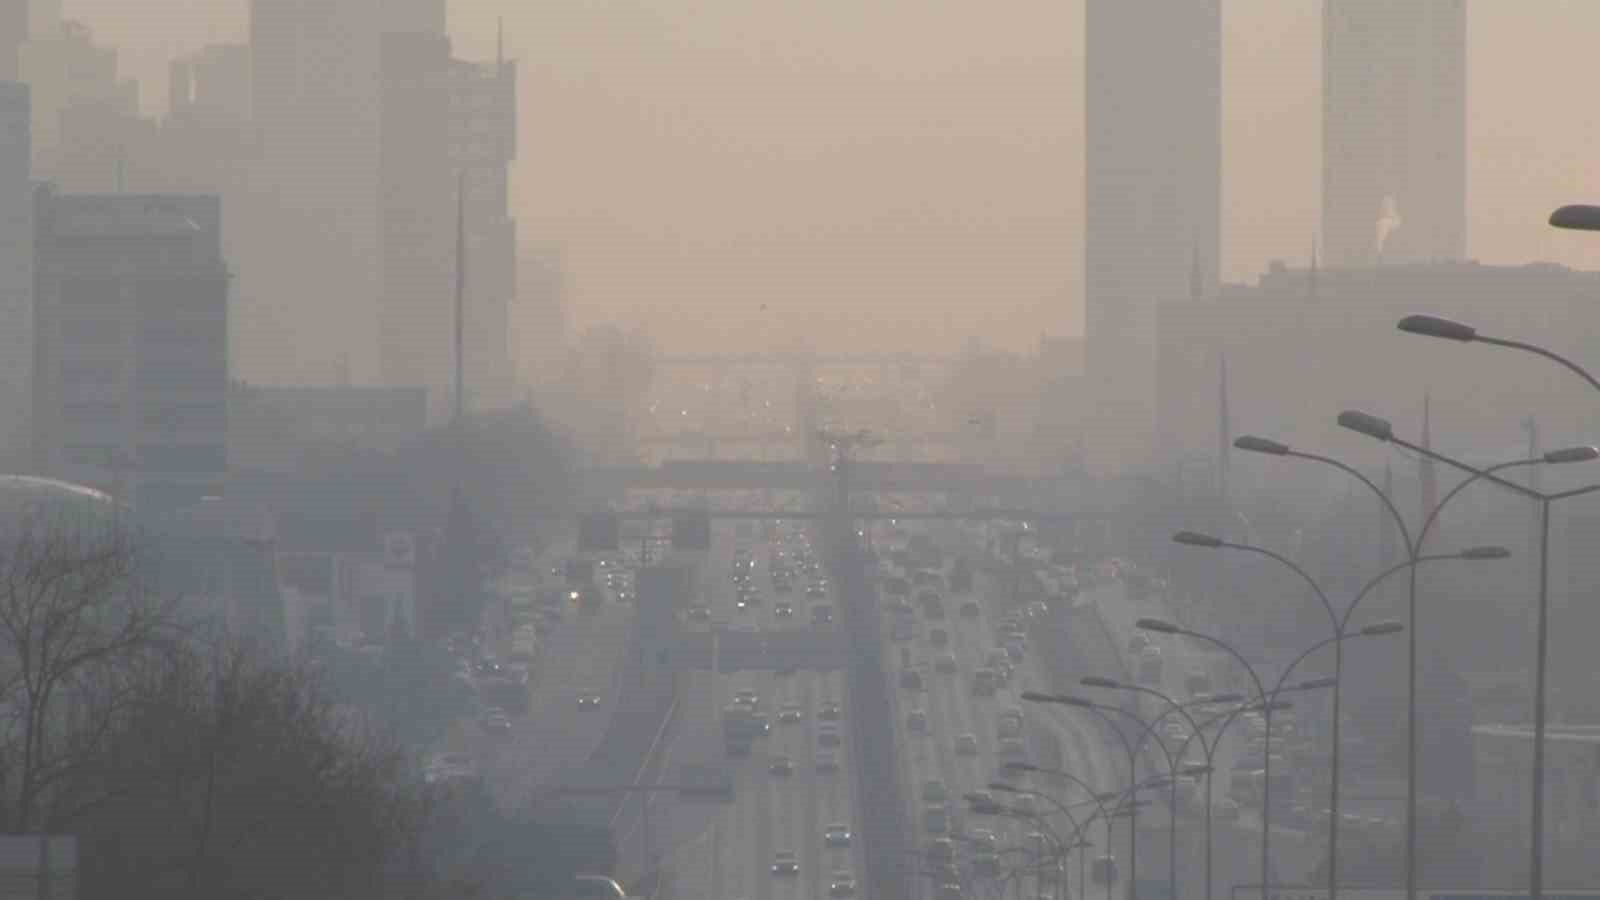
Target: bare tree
75,623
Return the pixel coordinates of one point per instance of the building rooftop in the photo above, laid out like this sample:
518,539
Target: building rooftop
1577,734
107,215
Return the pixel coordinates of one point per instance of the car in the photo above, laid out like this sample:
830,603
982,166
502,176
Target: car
911,680
945,664
917,722
828,736
827,763
784,862
934,791
816,592
588,701
781,766
942,873
822,614
782,587
842,884
986,865
836,835
1014,651
985,682
1138,642
970,610
967,744
748,699
983,839
949,890
982,803
498,725
940,850
790,713
1024,805
938,637
783,610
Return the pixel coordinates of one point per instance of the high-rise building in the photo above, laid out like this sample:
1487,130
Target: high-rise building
85,115
1394,131
483,132
309,299
417,216
1153,87
13,34
16,278
131,371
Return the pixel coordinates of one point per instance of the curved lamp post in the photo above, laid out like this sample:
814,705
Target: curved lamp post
1061,846
1208,750
1377,428
1099,799
1380,429
1103,711
1173,761
1340,622
1266,699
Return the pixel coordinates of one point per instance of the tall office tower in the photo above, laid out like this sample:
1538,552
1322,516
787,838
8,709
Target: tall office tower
132,348
1153,91
16,279
417,215
13,34
309,301
1394,131
483,131
414,16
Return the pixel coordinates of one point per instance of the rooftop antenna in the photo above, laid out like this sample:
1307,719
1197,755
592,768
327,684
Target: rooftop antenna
1311,273
500,43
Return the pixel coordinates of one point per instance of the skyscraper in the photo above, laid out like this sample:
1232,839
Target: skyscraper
309,297
16,278
1153,98
1394,131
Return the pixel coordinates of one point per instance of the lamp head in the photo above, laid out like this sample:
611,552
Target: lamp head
1385,627
1256,444
1367,424
1160,626
1317,684
1037,697
1095,681
1020,767
1221,698
1435,326
1577,217
1004,788
1196,539
1485,552
1580,453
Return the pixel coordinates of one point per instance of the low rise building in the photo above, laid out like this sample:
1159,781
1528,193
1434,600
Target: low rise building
1502,806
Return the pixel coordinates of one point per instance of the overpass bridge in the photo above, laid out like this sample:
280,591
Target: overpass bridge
954,479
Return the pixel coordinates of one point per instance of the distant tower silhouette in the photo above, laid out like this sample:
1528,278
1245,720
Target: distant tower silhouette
1394,114
1153,89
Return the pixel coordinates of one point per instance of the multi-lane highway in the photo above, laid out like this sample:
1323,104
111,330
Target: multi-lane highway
796,782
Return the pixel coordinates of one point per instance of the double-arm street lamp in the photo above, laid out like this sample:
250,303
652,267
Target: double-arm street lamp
1062,847
1122,804
1197,729
1266,698
1132,747
1413,545
1380,429
1340,622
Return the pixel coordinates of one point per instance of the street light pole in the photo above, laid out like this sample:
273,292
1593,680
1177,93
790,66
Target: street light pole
1380,429
1341,624
1266,699
1207,750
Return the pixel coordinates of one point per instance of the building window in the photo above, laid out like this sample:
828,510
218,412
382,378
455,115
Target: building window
91,373
91,331
183,458
91,413
181,377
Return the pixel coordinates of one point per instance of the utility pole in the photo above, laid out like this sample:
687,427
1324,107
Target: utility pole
461,287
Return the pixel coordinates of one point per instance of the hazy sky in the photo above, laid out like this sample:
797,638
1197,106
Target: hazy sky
741,169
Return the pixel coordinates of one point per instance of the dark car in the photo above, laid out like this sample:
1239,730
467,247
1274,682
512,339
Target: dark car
588,701
971,610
